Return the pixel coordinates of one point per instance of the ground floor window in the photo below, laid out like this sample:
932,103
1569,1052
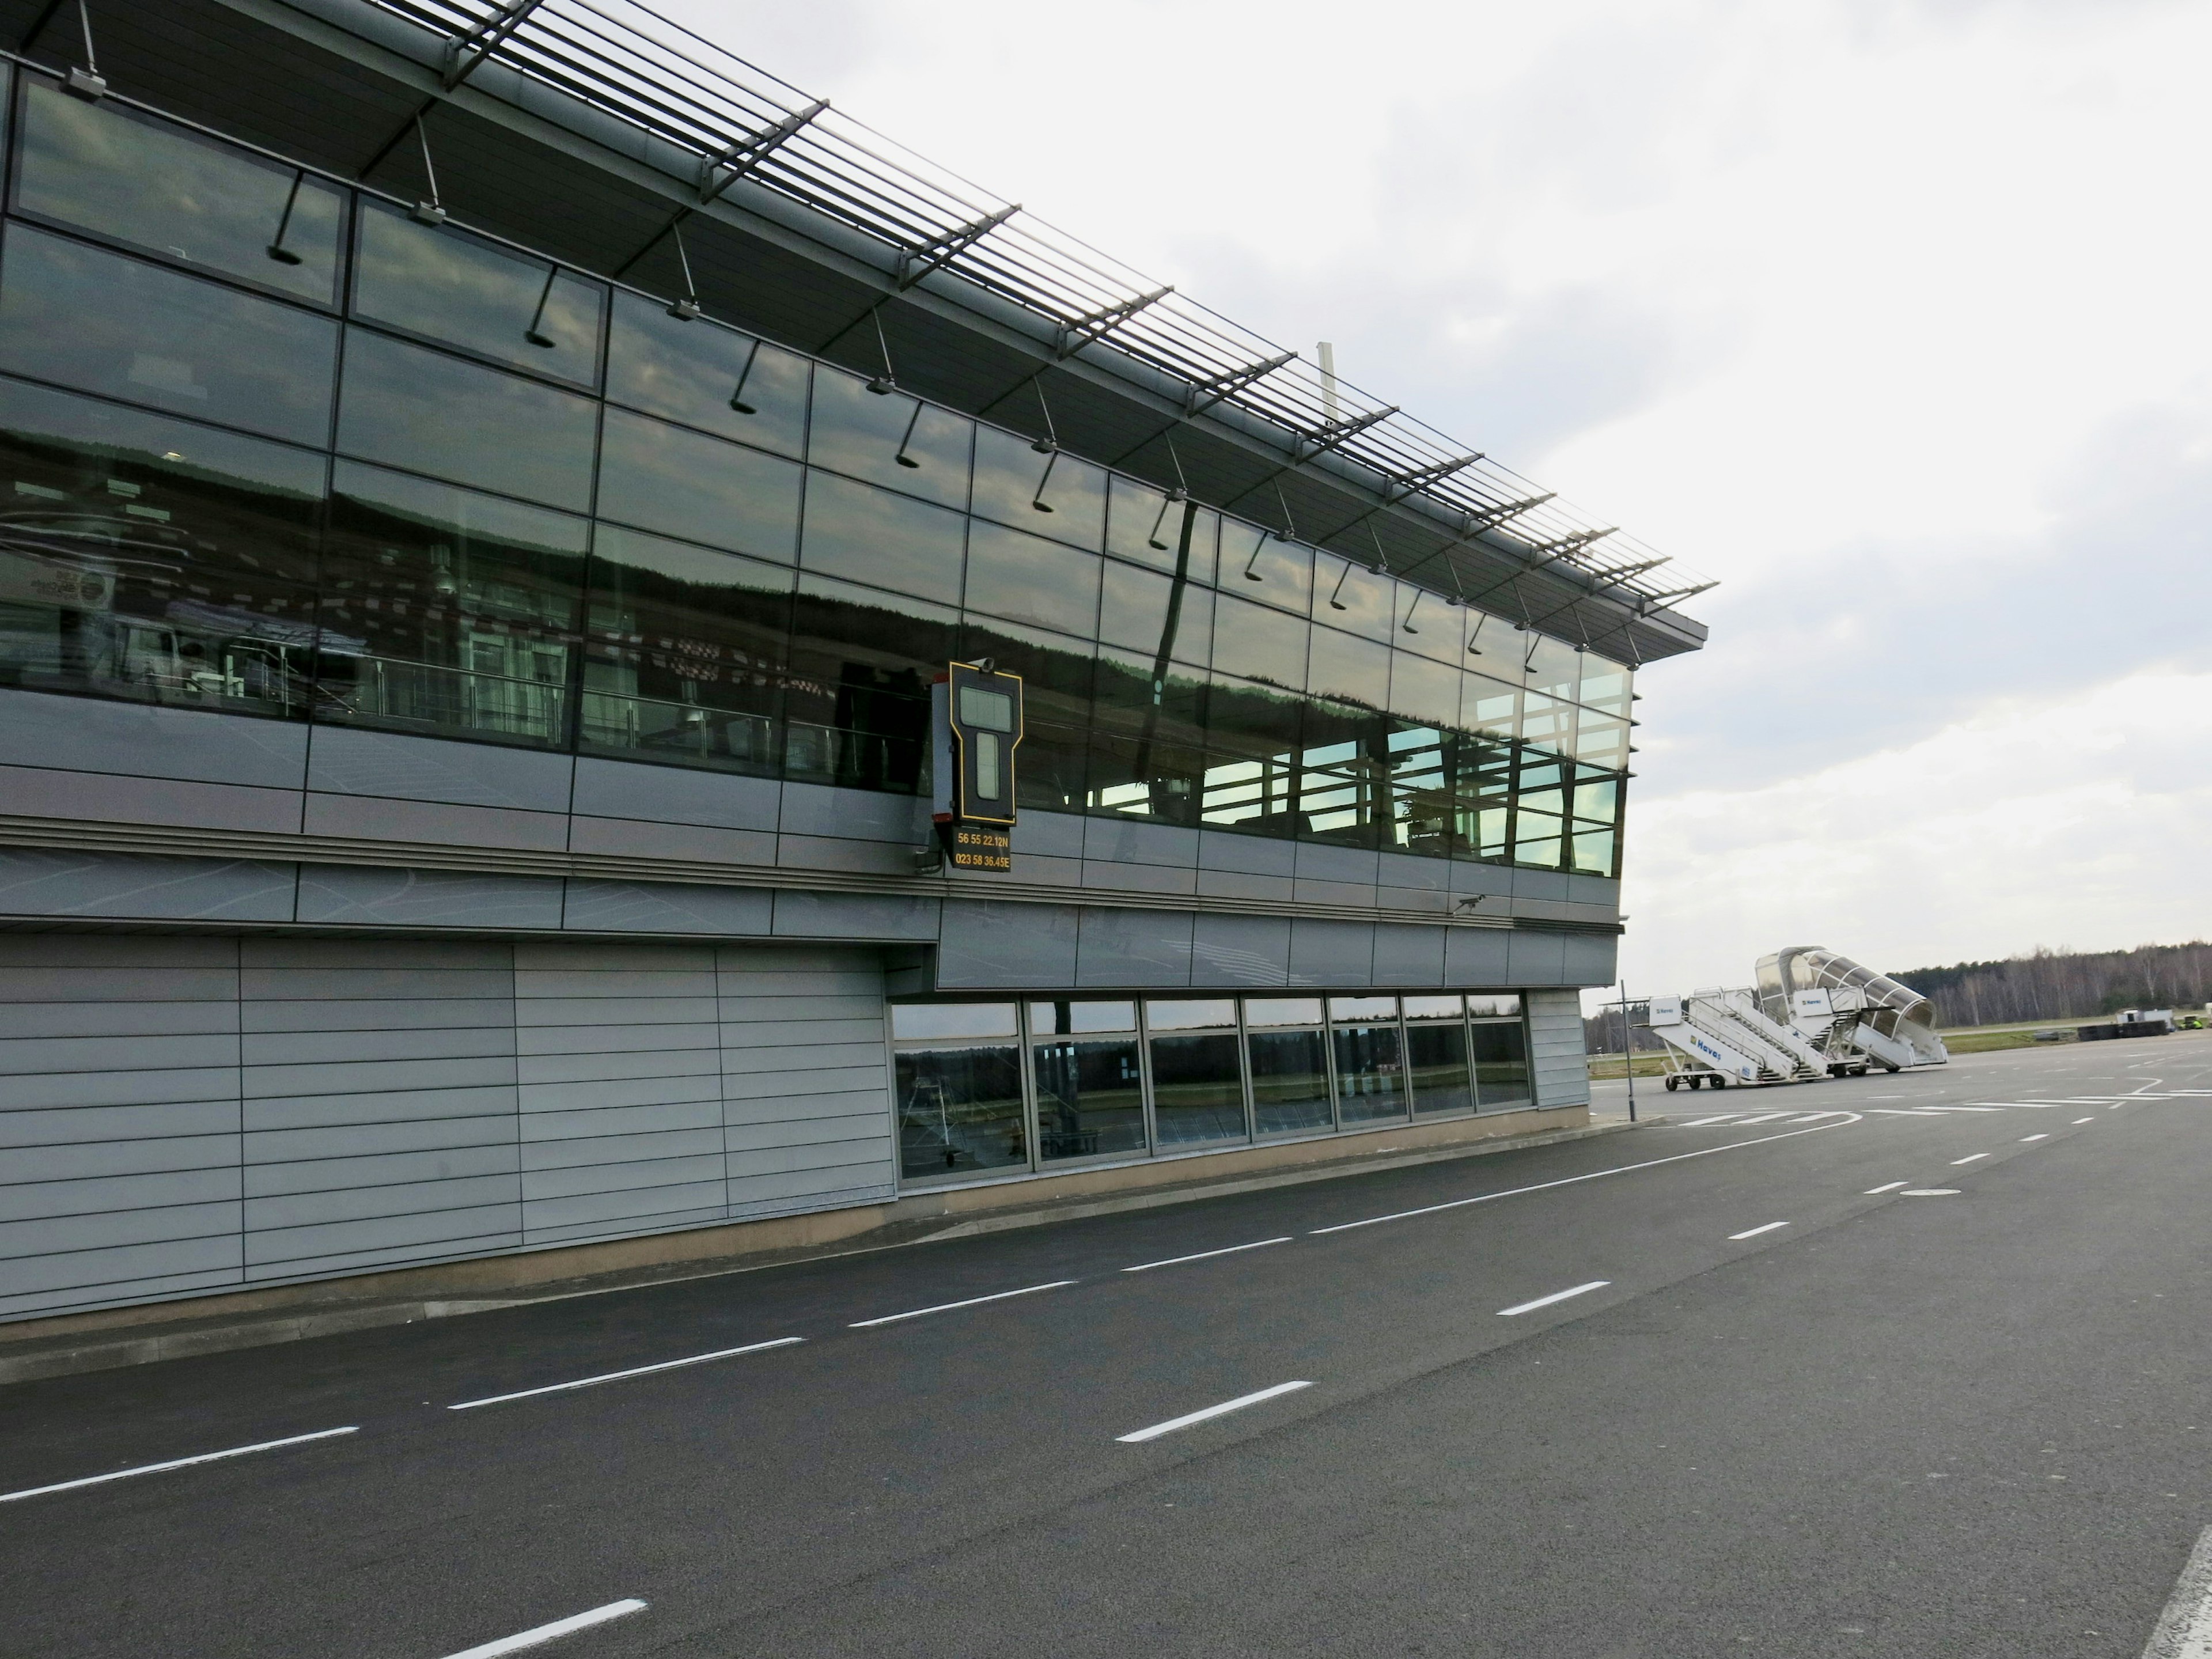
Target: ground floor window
986,1088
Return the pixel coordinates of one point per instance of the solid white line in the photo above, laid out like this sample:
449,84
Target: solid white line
1209,1413
1764,1118
559,1627
1969,1158
2184,1629
1725,1117
1902,1111
1891,1188
617,1376
2024,1139
1177,1260
1556,1296
1755,1231
1570,1181
1966,1109
947,1307
174,1463
2079,1121
1931,1192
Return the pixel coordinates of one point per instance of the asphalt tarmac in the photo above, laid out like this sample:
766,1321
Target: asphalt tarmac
1912,1365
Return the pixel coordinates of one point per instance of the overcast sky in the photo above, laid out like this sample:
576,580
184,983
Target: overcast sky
1893,316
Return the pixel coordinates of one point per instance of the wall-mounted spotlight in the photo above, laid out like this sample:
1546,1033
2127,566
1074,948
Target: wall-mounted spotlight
686,309
738,397
277,251
902,458
1172,498
432,212
535,333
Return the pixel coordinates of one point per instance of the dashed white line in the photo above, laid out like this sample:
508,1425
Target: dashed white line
1893,1187
1764,1118
1931,1192
1556,1296
947,1307
2024,1139
1177,1260
1902,1111
1209,1413
2079,1121
617,1376
2184,1629
1754,1232
554,1631
1969,1158
176,1463
1704,1122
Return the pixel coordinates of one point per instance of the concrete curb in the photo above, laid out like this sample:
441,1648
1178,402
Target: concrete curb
51,1356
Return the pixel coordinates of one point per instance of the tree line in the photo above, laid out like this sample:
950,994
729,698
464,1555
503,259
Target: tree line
2061,986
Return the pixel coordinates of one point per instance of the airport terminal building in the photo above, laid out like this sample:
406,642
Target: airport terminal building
493,486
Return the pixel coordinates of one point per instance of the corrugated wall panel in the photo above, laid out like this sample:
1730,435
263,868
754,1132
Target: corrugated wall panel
1555,1042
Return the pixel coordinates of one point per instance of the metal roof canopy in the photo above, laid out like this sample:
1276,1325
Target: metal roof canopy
587,129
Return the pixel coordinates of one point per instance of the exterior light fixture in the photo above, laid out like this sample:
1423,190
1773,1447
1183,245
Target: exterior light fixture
277,251
535,332
433,211
84,83
738,397
902,458
686,309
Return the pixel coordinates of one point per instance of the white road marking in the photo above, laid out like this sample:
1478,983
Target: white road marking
1764,1118
972,1302
1966,1109
1725,1117
558,1628
1891,1188
2184,1629
1969,1158
617,1376
2079,1121
1209,1413
175,1463
1902,1111
1755,1231
1570,1181
1556,1296
1177,1260
2024,1139
1931,1192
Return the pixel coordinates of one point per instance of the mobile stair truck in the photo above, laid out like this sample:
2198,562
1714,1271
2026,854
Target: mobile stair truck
1716,1037
1856,1018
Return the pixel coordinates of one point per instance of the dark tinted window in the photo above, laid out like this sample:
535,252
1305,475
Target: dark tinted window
684,654
1027,578
1350,670
1255,643
111,324
1142,611
864,434
857,697
111,170
695,371
1350,596
1147,740
1257,565
1142,525
872,536
672,479
1056,675
446,284
420,409
146,557
448,612
1012,478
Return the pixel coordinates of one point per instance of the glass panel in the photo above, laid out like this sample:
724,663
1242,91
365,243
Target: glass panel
1282,1011
1438,628
1256,643
856,707
1494,1007
959,1110
1143,526
865,435
148,558
672,479
1425,691
1554,667
1189,1015
1547,722
872,536
1197,1091
1422,803
410,407
1347,787
1290,1081
1489,706
1091,1098
95,319
112,171
1079,1018
1598,800
1604,685
445,284
683,654
1255,776
1135,612
447,612
952,1019
1012,477
1435,1066
1602,740
1448,1007
1027,578
1363,1007
1593,852
1353,597
1501,1066
1354,671
698,371
1370,1084
1056,671
1256,564
1147,756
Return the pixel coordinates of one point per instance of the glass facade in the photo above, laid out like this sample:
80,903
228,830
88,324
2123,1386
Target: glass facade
1124,1078
278,449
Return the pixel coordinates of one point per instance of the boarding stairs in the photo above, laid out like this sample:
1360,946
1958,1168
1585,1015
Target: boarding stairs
1717,1037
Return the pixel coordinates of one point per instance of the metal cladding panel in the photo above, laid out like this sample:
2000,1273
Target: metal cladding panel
1142,950
1240,952
988,946
1555,1045
138,740
140,887
1332,952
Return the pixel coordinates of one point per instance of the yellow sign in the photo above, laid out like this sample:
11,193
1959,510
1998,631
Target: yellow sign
982,849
